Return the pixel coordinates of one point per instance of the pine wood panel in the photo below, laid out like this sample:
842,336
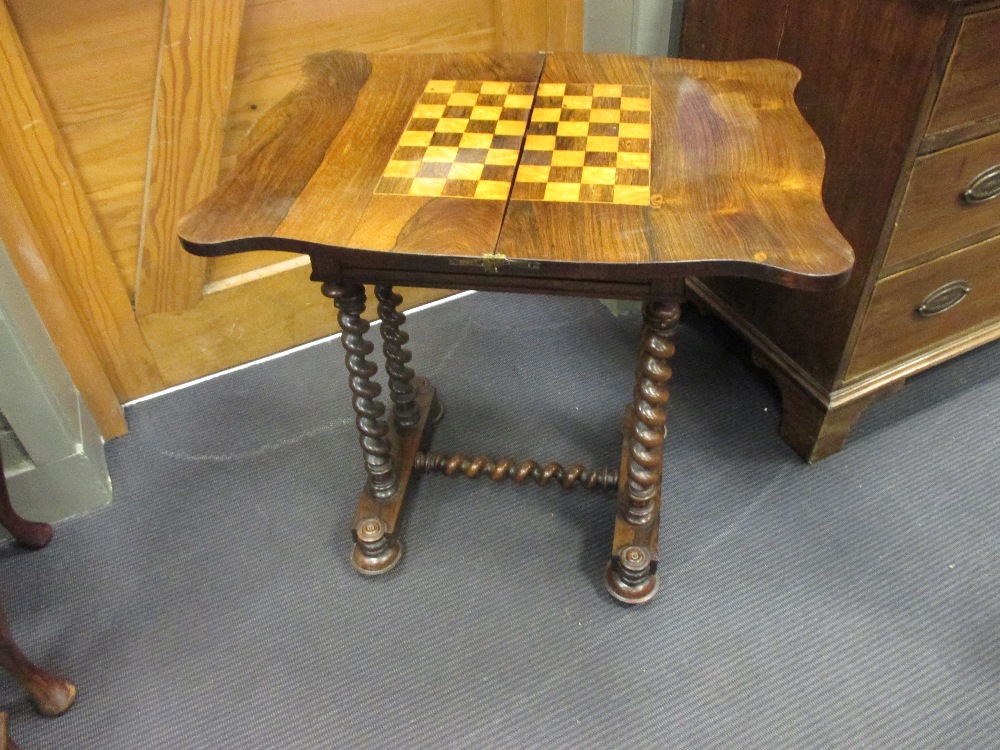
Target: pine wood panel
98,71
254,320
197,59
22,244
46,180
539,25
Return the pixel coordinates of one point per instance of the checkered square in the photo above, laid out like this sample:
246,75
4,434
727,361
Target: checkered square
462,141
587,143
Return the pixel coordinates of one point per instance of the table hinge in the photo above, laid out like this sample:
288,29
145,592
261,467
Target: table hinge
494,262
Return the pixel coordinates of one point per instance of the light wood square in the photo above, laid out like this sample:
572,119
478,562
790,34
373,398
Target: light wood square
440,87
428,111
441,153
463,99
451,125
633,195
540,143
416,138
602,143
566,192
639,104
599,175
495,87
551,89
572,128
578,102
518,101
533,173
607,89
401,169
628,160
485,113
427,186
605,115
510,127
465,171
476,140
506,157
634,130
545,114
492,190
568,158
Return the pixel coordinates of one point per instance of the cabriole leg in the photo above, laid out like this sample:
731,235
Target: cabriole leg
630,576
51,694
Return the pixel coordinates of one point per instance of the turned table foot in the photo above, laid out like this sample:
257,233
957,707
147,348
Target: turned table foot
630,576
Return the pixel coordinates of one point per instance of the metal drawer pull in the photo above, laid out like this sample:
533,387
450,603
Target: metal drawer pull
943,299
984,187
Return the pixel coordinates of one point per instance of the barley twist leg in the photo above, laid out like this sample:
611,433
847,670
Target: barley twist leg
369,410
631,573
397,357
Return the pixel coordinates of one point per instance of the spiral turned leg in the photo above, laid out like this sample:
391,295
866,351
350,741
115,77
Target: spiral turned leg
388,446
397,357
374,433
631,574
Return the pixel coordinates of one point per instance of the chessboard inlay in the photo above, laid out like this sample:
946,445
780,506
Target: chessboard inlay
566,142
462,141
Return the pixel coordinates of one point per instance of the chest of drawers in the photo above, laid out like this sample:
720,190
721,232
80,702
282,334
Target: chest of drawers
905,96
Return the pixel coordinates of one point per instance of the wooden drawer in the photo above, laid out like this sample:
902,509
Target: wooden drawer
894,328
970,90
934,213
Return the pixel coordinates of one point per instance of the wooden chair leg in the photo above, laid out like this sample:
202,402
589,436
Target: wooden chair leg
51,694
6,743
27,533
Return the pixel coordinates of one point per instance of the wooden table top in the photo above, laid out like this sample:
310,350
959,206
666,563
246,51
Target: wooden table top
607,168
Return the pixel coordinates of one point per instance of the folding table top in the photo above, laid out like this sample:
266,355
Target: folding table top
610,168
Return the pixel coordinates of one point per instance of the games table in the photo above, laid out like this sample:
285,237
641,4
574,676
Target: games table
607,176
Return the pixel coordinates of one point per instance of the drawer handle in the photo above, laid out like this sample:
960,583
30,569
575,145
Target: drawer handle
984,187
943,299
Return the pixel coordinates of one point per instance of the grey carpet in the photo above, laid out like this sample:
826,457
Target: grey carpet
852,604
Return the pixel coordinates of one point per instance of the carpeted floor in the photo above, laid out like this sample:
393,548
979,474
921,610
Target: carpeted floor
851,604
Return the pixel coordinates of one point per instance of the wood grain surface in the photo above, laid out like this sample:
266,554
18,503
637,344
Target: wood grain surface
197,58
736,177
44,177
894,330
933,215
23,244
970,91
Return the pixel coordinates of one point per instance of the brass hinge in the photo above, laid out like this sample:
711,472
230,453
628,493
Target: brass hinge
494,262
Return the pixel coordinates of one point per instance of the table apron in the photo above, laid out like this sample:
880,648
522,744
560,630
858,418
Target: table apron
672,288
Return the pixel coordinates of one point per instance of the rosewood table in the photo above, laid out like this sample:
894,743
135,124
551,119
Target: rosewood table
599,175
